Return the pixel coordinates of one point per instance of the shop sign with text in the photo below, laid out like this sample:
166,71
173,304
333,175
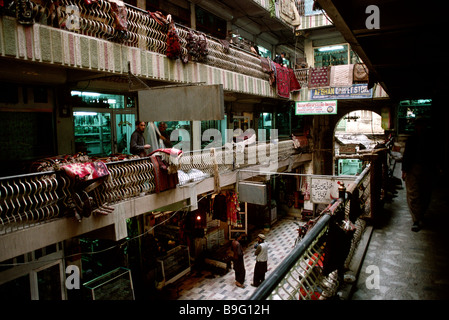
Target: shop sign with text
316,107
356,91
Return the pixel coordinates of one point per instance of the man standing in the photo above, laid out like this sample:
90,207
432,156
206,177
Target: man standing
137,145
165,137
261,261
418,172
239,266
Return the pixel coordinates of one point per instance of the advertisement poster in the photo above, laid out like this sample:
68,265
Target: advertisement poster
316,107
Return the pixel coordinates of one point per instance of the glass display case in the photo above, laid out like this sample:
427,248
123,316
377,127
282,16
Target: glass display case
93,132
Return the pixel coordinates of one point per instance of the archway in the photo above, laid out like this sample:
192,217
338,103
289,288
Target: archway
355,132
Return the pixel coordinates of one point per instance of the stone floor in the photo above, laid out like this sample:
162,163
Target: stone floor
410,265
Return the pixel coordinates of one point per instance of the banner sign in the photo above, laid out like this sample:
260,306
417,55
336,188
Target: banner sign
316,107
356,91
325,189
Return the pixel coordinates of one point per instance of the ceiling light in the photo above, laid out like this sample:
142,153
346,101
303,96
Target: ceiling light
331,48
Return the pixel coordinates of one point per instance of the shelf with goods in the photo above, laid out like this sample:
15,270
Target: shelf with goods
93,132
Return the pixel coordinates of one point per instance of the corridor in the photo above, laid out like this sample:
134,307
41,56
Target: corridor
208,285
409,265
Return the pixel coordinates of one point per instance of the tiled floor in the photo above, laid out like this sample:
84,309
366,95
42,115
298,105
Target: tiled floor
206,285
411,265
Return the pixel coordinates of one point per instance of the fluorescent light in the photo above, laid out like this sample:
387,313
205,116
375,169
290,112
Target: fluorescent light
89,94
84,113
331,48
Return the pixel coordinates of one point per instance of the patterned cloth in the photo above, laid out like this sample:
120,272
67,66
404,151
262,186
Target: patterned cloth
319,77
282,81
294,83
341,76
86,171
163,180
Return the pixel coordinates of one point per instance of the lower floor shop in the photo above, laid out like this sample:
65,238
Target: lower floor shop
205,283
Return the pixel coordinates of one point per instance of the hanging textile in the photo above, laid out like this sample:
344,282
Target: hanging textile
197,46
282,81
294,84
361,73
341,75
119,13
151,136
289,12
163,180
171,158
220,208
319,77
86,171
266,66
24,11
173,42
233,209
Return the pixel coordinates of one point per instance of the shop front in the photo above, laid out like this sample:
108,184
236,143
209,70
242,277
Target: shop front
103,123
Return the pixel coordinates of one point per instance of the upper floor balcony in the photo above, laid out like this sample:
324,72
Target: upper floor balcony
101,38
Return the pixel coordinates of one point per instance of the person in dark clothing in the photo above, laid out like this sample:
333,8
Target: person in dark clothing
239,265
279,59
418,172
137,144
165,137
261,266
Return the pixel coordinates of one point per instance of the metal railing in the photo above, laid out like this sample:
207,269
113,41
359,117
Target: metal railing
32,198
135,27
300,275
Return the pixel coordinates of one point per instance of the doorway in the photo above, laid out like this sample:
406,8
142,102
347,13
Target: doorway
103,123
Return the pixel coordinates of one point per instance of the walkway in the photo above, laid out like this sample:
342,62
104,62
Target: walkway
411,265
206,285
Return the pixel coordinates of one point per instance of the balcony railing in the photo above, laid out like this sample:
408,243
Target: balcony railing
38,197
314,269
134,27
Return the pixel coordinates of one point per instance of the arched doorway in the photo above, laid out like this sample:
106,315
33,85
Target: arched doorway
356,132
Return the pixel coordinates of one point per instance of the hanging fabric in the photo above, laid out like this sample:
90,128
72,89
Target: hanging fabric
282,81
173,43
294,83
319,77
361,73
119,13
233,209
341,75
151,135
220,208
